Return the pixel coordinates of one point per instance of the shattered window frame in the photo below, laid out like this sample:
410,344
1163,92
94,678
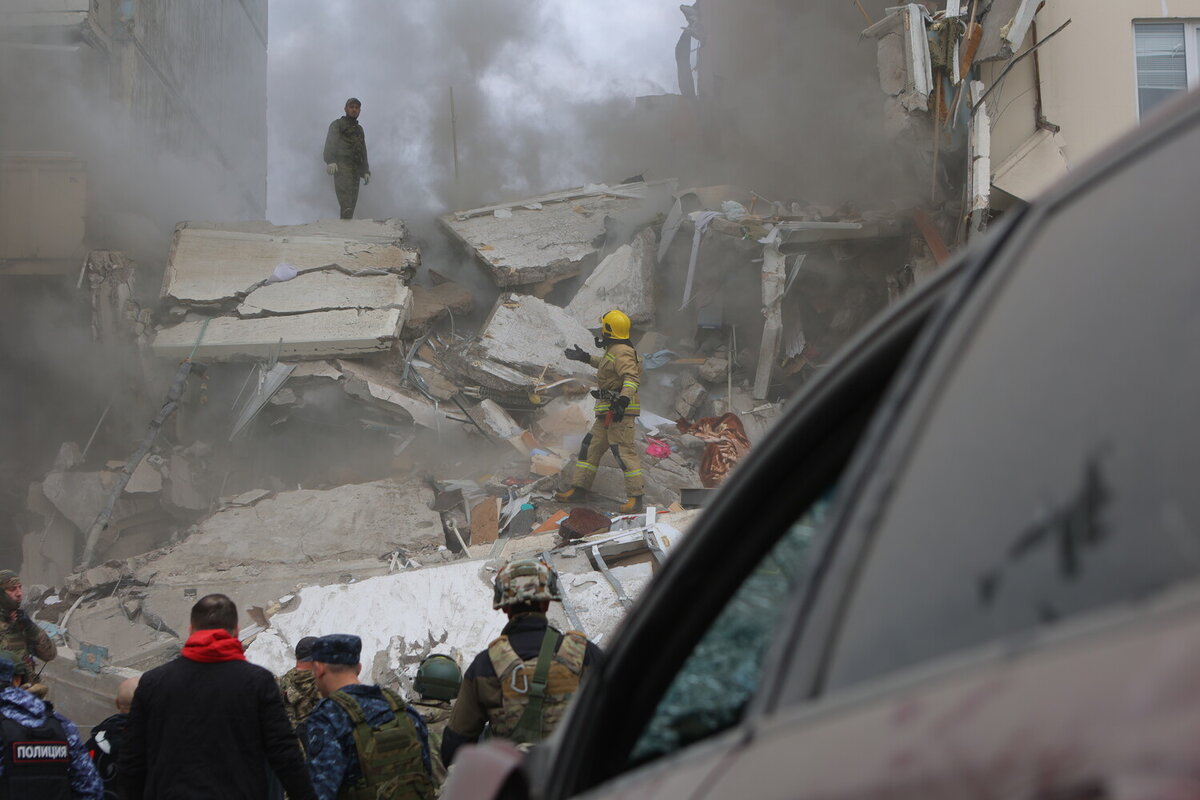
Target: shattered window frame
720,677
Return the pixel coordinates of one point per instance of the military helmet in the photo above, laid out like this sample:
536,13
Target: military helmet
525,580
9,579
438,678
615,324
12,664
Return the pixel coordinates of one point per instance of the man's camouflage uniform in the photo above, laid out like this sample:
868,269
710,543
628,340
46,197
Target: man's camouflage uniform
300,696
346,146
618,373
436,714
22,636
481,700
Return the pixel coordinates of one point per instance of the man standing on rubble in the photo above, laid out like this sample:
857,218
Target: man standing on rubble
363,741
19,634
346,157
618,373
523,682
209,723
299,687
41,753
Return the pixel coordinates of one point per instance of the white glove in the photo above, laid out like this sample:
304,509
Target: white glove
331,169
366,178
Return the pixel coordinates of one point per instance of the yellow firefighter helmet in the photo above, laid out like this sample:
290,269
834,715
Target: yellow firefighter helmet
615,324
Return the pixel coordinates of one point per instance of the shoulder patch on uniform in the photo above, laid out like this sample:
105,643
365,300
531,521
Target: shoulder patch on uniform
572,651
503,656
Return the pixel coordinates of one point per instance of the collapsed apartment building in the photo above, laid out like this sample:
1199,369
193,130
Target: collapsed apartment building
328,427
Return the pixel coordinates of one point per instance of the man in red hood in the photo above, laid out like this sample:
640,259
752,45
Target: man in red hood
209,723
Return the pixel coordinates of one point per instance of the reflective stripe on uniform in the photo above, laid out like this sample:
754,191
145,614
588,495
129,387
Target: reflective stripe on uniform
632,473
585,465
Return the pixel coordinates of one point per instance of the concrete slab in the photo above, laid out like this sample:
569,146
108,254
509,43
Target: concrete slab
326,334
530,335
218,263
532,240
326,290
623,280
310,525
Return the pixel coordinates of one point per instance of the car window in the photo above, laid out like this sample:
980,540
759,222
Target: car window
722,673
1056,471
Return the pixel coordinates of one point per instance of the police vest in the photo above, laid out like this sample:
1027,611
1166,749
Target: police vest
389,756
516,677
37,761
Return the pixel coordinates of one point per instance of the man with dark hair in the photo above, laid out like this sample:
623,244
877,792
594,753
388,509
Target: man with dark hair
346,157
208,723
522,684
363,741
41,754
299,687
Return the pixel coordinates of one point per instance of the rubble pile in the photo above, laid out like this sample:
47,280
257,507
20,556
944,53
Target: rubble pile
348,443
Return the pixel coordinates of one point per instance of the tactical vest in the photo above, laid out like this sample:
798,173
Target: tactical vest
518,685
37,761
389,757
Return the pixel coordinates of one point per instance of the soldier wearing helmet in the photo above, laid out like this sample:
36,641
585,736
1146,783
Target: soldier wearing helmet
522,683
438,680
18,633
618,373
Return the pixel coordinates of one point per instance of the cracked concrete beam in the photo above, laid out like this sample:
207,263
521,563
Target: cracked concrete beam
327,334
327,291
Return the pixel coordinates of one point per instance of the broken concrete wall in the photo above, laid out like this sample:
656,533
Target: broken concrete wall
624,280
521,346
302,292
552,236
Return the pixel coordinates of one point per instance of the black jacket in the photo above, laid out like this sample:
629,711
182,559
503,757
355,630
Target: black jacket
210,730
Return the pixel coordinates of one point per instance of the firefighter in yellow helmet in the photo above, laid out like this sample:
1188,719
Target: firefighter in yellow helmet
618,372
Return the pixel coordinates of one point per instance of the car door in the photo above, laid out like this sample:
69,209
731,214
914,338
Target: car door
1010,605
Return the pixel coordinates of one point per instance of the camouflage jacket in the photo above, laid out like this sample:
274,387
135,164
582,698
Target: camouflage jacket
619,370
300,696
436,714
346,145
26,640
481,696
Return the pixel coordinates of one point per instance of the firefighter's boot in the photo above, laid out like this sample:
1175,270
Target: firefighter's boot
633,505
575,494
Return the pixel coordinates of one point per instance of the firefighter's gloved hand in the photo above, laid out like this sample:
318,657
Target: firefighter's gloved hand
331,169
366,178
577,353
618,408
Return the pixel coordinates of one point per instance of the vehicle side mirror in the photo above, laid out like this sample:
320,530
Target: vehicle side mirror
490,771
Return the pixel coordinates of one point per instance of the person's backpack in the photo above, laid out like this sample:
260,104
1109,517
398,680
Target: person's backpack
389,756
535,693
104,749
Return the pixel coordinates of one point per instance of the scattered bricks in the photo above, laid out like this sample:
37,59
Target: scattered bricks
583,522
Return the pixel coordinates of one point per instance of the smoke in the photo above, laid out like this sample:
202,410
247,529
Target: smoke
537,89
